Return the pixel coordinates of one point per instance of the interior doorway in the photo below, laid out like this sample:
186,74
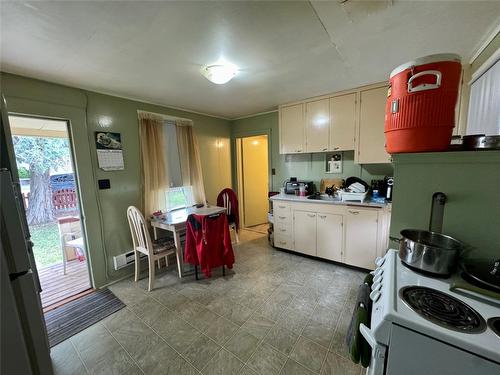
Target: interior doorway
49,187
252,159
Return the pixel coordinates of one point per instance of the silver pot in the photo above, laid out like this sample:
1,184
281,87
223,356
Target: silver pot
432,252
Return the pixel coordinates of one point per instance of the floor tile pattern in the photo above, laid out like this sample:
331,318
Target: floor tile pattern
274,313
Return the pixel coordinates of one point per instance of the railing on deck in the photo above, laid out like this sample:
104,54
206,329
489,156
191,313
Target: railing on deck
64,199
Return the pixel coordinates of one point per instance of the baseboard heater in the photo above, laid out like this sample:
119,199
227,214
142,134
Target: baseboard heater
128,258
125,259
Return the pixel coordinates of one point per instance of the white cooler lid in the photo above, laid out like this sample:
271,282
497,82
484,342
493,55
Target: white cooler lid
426,60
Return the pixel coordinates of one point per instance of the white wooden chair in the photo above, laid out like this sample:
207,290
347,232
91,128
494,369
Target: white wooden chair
229,212
155,250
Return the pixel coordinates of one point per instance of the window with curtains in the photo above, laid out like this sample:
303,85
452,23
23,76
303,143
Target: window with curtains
176,196
171,163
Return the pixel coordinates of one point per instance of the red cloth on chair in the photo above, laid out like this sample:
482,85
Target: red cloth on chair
208,242
228,198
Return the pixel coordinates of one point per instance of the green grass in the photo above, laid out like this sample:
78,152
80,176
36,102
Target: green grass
47,246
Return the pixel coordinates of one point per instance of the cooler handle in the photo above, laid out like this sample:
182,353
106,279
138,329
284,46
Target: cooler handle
425,86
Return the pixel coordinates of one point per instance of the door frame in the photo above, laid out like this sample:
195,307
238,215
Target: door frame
235,157
77,182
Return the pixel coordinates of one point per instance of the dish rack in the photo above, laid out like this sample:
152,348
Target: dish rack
348,196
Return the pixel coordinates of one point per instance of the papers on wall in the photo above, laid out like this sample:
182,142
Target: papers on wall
109,151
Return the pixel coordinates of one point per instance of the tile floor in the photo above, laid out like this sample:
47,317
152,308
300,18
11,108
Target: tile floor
274,313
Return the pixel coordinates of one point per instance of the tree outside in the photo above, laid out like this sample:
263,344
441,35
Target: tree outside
41,154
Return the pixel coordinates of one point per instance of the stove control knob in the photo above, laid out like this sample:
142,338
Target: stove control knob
379,261
377,286
378,271
377,279
375,295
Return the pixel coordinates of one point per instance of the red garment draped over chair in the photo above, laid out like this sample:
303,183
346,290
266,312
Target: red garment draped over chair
208,243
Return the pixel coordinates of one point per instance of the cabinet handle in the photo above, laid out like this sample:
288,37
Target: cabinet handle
354,212
282,206
336,148
283,230
299,150
325,149
311,215
282,217
282,242
322,216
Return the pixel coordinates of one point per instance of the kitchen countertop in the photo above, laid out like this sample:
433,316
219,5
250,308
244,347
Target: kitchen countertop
296,198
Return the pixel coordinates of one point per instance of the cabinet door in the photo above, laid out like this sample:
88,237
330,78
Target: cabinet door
292,129
304,230
342,122
361,237
317,125
329,236
370,143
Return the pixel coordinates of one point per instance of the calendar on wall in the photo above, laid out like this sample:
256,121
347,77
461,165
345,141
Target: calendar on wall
109,151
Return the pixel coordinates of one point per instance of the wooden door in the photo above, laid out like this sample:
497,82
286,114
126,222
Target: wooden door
317,125
304,230
291,127
329,236
342,122
361,237
371,138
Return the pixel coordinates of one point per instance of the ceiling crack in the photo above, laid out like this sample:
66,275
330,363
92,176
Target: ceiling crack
330,37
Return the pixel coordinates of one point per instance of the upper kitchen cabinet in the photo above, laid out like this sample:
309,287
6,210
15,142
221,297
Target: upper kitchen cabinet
291,127
342,122
317,125
370,140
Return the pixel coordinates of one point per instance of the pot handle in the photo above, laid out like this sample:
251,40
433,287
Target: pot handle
425,86
395,239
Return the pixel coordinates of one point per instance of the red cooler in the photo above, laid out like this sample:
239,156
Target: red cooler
420,109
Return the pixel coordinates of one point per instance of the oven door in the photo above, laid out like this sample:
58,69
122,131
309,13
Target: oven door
379,352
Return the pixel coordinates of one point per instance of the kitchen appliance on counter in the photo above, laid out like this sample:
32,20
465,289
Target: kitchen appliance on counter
293,186
419,325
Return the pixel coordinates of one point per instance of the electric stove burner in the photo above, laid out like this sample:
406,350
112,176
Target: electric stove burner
442,309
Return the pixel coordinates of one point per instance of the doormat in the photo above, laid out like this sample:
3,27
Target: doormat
73,317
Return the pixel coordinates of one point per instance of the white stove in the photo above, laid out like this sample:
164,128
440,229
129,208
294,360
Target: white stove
458,341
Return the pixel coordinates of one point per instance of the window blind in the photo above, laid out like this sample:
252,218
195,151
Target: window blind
484,104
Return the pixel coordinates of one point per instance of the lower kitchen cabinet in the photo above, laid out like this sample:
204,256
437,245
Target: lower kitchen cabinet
349,234
304,229
329,236
361,237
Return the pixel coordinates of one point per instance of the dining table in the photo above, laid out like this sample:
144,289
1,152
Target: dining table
175,222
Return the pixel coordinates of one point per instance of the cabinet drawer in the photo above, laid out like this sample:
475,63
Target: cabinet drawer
283,229
283,242
282,212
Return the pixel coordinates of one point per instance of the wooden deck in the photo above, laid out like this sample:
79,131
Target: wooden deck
56,286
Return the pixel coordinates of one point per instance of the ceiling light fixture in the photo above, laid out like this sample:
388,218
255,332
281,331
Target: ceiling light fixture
219,73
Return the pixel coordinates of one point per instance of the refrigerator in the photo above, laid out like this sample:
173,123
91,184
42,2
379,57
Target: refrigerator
24,344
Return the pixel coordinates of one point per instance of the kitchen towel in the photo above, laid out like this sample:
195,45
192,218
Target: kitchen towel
359,349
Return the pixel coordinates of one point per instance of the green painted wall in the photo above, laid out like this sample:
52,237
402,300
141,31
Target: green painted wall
471,182
304,166
105,210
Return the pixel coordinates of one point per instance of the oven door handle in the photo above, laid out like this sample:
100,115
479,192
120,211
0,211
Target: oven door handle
377,361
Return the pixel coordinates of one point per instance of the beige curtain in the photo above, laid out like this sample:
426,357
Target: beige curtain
154,166
189,156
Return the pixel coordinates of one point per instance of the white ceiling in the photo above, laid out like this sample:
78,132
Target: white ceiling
152,51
